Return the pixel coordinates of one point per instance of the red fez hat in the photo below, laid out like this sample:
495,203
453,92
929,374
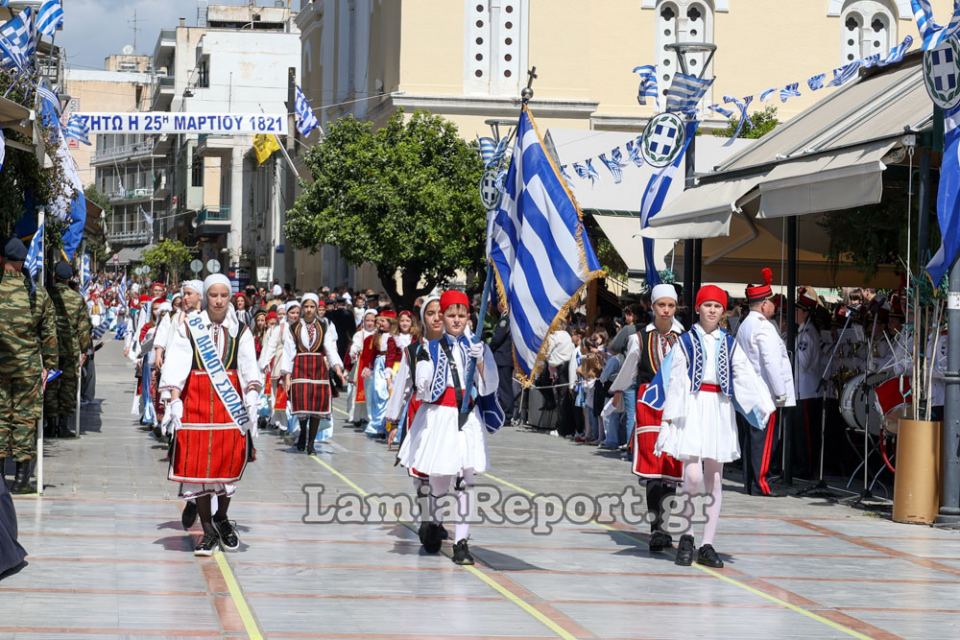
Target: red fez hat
452,297
807,299
272,315
157,283
711,293
761,292
145,298
321,303
389,313
159,300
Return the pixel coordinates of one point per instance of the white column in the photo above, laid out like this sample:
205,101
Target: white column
235,237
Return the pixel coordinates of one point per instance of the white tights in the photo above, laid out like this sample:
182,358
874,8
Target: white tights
702,479
441,486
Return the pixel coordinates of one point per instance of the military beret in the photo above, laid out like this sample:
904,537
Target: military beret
63,270
15,250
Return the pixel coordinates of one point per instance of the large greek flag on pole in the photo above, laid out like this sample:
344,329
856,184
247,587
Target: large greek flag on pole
539,247
948,198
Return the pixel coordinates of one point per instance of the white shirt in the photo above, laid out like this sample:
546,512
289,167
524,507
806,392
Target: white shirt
329,346
761,342
561,348
627,376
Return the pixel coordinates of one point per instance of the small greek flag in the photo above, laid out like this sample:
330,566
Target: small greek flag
766,93
35,254
491,151
870,61
49,107
648,84
685,93
841,75
742,106
563,172
896,54
614,164
77,129
932,33
85,271
586,171
122,292
542,256
816,82
633,152
306,119
790,91
49,18
726,113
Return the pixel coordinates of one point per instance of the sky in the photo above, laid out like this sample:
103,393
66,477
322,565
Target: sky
94,29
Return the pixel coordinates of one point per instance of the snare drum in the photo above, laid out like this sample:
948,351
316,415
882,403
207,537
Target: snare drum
855,403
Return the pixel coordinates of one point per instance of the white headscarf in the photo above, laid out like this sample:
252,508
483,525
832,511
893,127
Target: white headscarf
291,304
663,291
423,306
307,297
216,278
195,285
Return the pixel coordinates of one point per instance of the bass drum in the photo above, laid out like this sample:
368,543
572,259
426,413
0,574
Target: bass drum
857,406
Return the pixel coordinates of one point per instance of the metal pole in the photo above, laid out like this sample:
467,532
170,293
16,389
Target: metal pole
39,471
689,246
290,187
923,207
950,433
791,341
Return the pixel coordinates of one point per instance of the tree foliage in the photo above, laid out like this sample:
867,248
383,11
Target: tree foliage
170,256
763,123
404,197
868,236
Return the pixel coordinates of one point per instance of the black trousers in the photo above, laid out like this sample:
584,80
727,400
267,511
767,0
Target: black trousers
806,438
657,491
760,450
505,390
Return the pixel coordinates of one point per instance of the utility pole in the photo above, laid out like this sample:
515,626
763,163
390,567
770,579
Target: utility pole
290,186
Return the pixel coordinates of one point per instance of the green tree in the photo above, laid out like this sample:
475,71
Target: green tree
170,256
763,123
94,246
404,197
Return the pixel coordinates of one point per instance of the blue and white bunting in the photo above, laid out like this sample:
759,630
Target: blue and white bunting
685,93
17,45
815,83
742,106
933,34
648,84
541,253
766,93
633,152
491,151
77,129
726,113
49,18
842,75
34,258
870,61
306,119
790,91
896,53
614,164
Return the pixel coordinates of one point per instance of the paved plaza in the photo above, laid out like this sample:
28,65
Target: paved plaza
109,559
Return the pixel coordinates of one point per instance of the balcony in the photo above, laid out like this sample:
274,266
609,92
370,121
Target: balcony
163,93
213,221
136,236
135,151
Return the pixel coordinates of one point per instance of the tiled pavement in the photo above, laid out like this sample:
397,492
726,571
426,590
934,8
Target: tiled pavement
108,558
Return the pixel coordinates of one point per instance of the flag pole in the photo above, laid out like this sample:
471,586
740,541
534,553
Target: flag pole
525,96
40,227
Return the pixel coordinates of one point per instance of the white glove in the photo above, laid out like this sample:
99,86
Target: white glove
172,416
251,399
780,400
476,350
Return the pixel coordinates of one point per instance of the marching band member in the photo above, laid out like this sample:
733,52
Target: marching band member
309,352
451,449
646,349
764,348
214,384
706,371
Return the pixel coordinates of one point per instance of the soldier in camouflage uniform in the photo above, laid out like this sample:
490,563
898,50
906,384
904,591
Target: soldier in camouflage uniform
74,340
28,348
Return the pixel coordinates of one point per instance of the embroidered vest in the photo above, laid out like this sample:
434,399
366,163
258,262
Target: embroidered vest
692,345
230,352
317,346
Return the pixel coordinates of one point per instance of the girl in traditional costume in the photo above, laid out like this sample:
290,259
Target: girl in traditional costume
214,383
707,379
360,358
378,375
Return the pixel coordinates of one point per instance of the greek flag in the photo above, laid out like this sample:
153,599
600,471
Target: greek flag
742,106
586,171
766,93
491,151
870,61
841,75
654,196
49,107
896,54
563,172
790,91
49,18
85,271
816,82
77,129
932,33
35,253
648,84
948,198
633,152
542,256
306,119
685,93
726,113
122,291
614,164
16,41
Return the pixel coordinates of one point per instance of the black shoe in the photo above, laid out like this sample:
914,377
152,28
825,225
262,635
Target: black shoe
685,551
708,557
660,541
302,440
228,534
431,537
461,553
63,431
158,433
189,514
444,534
207,545
21,481
310,450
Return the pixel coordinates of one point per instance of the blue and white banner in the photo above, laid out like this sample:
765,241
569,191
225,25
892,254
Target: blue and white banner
165,122
948,198
541,253
648,88
306,118
77,130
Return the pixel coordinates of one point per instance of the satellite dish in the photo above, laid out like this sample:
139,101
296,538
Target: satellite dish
127,50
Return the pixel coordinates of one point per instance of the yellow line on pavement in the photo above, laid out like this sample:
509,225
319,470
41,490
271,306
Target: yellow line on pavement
716,574
246,616
490,582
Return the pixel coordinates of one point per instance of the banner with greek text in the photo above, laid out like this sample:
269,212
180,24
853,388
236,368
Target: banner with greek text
148,122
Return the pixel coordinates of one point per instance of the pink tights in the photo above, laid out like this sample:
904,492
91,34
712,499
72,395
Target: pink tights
702,478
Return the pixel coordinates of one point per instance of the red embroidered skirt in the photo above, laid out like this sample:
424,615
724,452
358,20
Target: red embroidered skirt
645,463
310,385
208,447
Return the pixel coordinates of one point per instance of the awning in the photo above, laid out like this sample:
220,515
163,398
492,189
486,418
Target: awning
701,212
624,234
128,255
